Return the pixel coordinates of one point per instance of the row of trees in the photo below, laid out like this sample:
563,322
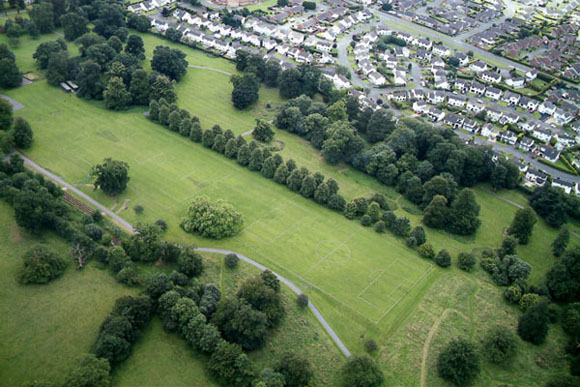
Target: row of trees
252,156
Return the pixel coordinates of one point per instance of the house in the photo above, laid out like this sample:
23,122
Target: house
423,55
424,43
522,167
453,120
437,63
547,107
535,178
463,59
527,144
435,97
531,75
441,51
461,85
565,140
420,107
508,137
295,37
339,81
417,94
477,88
474,107
478,66
528,103
516,83
400,77
269,44
400,96
488,130
282,49
324,46
377,78
304,57
493,115
542,135
493,93
563,117
509,118
470,125
575,126
563,184
511,98
550,154
402,52
456,101
490,77
435,114
390,60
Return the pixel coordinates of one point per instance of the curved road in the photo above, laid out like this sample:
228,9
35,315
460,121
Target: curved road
131,229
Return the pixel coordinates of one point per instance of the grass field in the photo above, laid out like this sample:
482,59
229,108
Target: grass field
365,284
45,327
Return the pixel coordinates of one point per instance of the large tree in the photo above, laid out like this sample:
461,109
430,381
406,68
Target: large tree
111,176
169,61
42,14
74,25
380,125
135,46
436,215
10,75
6,115
89,81
91,371
116,95
212,219
361,371
458,362
22,133
240,323
550,203
245,91
296,369
463,214
561,242
563,280
522,225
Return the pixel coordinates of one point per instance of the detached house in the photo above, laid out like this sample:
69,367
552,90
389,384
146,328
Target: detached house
490,77
489,131
478,66
435,114
453,120
470,125
477,88
508,137
547,107
511,98
542,135
376,78
516,83
535,178
527,144
550,154
456,101
493,93
563,184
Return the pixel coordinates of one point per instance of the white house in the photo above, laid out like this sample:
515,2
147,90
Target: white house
547,107
488,130
535,178
295,37
420,107
563,184
527,144
542,135
435,114
474,107
456,101
516,83
441,51
563,117
508,137
493,93
477,88
493,115
377,79
478,66
490,77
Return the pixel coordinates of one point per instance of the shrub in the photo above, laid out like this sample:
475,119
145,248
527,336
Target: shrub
533,324
128,275
138,209
499,345
162,224
189,262
380,227
528,300
212,220
231,261
366,221
93,231
371,345
443,259
466,261
296,369
411,242
458,362
513,294
302,301
41,266
426,251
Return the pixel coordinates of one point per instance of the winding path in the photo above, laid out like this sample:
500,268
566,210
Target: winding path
131,229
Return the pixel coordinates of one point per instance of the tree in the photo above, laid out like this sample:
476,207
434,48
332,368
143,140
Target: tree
561,242
74,25
361,371
189,262
35,207
245,91
139,88
419,234
466,261
499,345
91,371
162,87
41,266
522,225
231,261
116,95
22,133
170,62
135,46
112,176
436,215
463,214
458,362
58,68
281,175
336,112
10,75
550,204
45,50
241,324
212,220
6,115
290,83
173,34
443,258
229,364
296,369
302,301
380,125
263,131
308,186
42,14
263,298
533,324
271,73
563,280
89,81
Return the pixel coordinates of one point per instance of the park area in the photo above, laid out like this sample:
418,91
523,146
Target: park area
367,285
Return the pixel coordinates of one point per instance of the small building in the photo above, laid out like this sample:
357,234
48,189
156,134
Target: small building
535,178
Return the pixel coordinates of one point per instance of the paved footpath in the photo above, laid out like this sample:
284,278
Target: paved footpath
131,229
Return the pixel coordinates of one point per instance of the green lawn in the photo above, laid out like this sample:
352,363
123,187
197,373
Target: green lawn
45,327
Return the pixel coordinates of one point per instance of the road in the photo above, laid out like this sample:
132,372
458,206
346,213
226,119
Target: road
131,229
